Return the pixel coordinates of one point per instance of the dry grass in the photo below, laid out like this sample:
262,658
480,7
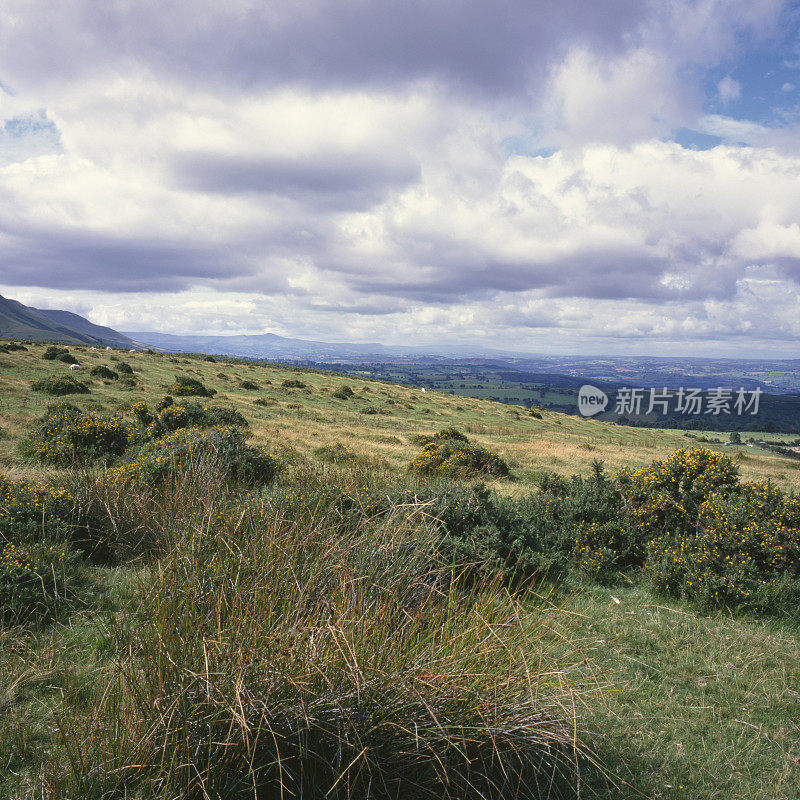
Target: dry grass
280,651
557,441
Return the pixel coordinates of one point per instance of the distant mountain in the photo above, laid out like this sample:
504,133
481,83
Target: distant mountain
18,321
271,346
81,325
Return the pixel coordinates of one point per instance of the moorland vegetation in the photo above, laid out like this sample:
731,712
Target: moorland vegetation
194,605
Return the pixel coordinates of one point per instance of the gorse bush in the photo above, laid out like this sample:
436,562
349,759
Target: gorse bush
450,454
190,387
447,434
124,369
686,522
102,371
249,385
33,579
221,450
67,358
343,393
66,434
293,384
53,352
31,511
714,539
666,496
60,386
170,416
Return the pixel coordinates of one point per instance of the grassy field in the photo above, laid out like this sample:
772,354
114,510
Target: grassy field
377,421
675,703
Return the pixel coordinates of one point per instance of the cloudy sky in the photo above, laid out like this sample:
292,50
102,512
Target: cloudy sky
613,176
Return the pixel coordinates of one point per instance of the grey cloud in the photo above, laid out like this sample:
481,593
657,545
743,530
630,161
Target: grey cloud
468,43
331,181
81,260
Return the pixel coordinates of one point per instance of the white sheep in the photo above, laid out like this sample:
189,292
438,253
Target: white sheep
74,367
108,348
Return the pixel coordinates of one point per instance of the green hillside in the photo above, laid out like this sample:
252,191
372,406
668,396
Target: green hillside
244,592
377,421
18,321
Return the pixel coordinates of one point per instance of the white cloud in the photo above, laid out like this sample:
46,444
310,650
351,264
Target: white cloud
729,90
370,192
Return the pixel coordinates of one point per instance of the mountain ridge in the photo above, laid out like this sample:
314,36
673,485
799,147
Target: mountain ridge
18,321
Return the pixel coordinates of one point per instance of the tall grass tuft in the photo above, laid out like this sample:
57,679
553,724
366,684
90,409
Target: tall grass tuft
276,655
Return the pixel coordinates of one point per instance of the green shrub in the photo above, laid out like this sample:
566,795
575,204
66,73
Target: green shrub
343,393
190,387
293,384
222,450
454,457
256,467
453,434
33,579
265,401
60,386
744,551
249,385
66,434
67,358
11,347
171,416
53,352
124,368
666,496
142,412
32,510
102,371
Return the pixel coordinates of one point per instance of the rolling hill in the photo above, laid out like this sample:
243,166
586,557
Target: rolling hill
18,321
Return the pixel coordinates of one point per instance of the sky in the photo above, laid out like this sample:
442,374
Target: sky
605,177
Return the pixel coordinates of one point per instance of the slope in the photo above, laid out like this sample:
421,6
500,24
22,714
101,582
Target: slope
18,321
